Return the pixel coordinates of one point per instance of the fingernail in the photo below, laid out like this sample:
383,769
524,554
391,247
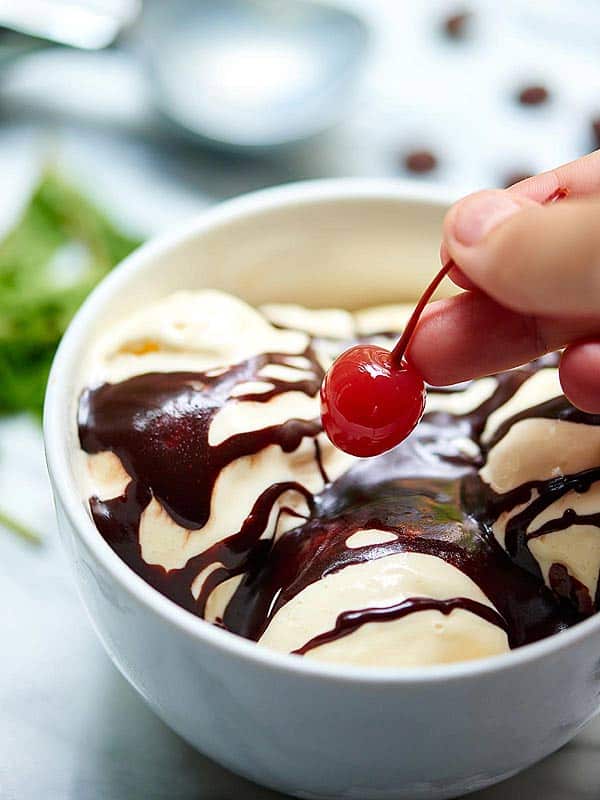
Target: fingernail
476,216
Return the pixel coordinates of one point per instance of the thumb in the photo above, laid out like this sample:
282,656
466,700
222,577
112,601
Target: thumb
531,258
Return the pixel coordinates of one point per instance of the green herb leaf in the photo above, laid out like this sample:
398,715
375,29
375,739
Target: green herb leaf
62,246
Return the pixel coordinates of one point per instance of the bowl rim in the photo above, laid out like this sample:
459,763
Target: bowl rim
68,493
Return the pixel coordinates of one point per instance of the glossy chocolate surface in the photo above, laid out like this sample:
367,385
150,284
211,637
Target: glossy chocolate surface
426,491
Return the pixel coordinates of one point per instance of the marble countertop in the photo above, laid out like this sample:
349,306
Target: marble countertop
70,726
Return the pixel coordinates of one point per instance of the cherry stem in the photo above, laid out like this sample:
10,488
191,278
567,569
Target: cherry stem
557,194
407,334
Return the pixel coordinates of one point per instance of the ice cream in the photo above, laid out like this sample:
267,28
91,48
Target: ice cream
207,472
540,485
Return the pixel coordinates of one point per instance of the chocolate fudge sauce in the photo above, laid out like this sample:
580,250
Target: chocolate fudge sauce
427,492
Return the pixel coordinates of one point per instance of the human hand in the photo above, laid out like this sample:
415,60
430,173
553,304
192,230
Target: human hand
531,275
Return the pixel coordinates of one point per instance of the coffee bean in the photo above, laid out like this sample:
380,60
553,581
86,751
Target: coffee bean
456,26
533,95
420,161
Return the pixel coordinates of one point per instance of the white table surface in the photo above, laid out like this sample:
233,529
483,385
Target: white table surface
70,726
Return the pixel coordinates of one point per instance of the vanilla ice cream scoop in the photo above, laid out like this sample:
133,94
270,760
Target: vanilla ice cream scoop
540,486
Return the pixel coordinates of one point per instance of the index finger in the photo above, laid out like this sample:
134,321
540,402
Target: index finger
470,335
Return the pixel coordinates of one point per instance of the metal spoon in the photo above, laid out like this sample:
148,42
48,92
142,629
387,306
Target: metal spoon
244,75
252,74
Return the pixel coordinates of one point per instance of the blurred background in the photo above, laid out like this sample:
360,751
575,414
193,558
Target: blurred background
119,119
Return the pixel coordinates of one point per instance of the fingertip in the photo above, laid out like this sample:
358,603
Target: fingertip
458,277
580,375
466,227
476,216
464,206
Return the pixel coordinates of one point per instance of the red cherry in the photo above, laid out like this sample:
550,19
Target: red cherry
372,399
369,405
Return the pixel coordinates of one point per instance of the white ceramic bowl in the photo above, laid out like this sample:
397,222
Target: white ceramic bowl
310,729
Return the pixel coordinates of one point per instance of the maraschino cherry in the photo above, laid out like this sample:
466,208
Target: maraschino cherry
371,398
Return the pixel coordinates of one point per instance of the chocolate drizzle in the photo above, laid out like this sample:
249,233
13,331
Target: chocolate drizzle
557,408
427,492
350,621
158,425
